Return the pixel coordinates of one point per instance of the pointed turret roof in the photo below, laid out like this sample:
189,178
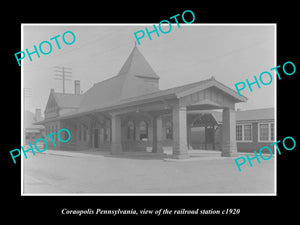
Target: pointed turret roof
137,65
129,82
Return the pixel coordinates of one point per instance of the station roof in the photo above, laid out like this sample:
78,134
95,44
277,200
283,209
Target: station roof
113,94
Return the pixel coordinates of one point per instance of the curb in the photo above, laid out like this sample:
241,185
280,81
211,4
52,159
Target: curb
69,154
191,159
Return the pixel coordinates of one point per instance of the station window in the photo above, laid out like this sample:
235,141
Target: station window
244,132
265,132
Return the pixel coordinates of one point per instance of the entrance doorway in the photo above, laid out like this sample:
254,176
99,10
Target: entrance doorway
96,138
203,132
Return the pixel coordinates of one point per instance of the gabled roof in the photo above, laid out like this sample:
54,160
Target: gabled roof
102,93
67,100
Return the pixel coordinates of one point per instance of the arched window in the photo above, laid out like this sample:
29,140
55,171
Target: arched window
143,130
169,130
130,130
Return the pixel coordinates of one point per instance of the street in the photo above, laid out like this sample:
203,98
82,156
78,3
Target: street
104,174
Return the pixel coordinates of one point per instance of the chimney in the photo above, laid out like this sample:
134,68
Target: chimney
38,115
77,87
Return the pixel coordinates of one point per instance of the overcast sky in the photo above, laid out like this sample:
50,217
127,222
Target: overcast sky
230,53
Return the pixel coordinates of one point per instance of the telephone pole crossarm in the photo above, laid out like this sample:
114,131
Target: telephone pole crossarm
64,75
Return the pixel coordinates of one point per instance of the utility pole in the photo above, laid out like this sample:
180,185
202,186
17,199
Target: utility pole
64,75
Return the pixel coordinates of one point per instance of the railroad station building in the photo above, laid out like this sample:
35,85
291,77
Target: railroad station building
128,112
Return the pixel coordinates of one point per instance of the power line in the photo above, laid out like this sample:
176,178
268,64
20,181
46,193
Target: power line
75,48
63,75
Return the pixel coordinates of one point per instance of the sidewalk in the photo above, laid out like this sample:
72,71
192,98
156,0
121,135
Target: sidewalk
194,155
167,155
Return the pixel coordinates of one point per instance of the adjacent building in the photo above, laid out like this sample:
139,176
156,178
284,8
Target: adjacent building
254,129
33,131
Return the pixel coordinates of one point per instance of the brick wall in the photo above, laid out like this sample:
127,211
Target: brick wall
255,145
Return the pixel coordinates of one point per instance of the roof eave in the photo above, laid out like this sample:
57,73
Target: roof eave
110,108
214,83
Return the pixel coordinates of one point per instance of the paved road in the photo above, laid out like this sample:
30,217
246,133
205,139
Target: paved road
66,174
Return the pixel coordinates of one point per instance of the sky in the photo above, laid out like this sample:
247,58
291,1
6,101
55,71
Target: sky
191,53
